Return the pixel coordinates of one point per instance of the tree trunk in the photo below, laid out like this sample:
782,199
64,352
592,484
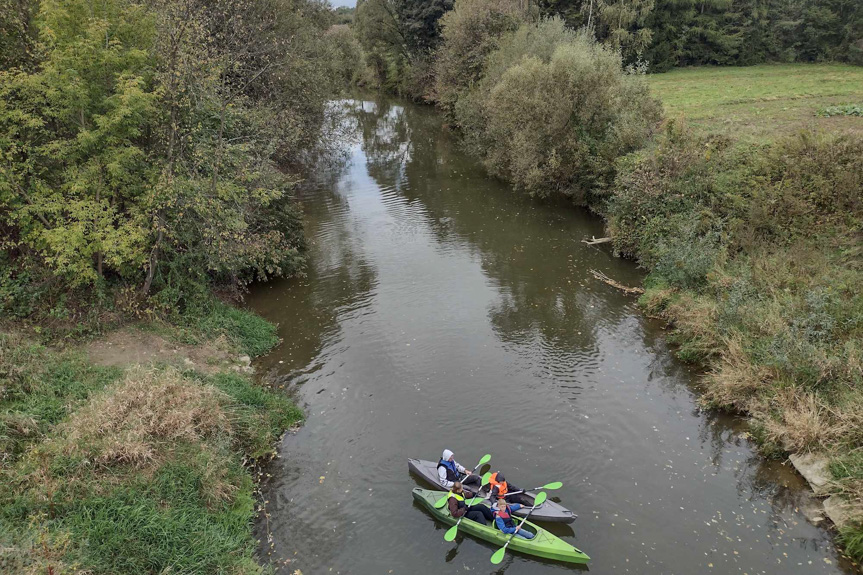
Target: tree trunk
99,252
154,255
219,142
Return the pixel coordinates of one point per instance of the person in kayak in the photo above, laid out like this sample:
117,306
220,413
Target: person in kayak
498,487
504,521
449,471
457,506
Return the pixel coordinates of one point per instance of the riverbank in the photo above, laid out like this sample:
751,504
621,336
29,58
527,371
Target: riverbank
136,452
748,222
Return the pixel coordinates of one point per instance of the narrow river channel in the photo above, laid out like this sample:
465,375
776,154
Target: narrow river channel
443,310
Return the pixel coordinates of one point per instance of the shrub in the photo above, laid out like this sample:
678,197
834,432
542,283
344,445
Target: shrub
555,112
687,258
846,110
470,31
676,189
347,61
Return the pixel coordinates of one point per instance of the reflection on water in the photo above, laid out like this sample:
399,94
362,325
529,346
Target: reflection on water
442,309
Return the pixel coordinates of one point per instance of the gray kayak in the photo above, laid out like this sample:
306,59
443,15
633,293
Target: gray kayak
548,511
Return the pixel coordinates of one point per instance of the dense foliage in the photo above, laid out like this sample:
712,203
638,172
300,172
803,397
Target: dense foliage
143,143
470,33
554,111
401,35
669,33
543,106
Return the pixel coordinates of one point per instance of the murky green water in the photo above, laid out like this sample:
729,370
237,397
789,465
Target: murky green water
442,309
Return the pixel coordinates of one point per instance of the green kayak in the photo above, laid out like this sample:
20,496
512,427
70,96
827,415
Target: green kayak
543,545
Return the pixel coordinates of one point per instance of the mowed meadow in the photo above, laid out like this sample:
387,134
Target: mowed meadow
764,101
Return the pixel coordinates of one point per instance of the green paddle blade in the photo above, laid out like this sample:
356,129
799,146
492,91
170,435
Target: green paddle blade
498,555
450,533
554,485
486,478
440,502
485,459
540,499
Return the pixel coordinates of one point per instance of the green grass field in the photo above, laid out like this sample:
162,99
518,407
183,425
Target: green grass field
761,102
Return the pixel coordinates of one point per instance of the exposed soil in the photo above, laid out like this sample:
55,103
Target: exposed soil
134,346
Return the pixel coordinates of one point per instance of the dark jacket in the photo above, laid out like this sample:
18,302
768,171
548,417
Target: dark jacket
456,508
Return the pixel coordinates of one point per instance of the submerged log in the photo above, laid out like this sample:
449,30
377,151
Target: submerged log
626,289
595,240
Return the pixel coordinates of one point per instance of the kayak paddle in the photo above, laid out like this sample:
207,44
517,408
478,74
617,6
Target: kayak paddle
498,555
485,459
549,486
450,533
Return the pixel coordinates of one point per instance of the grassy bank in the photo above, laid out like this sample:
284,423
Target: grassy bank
758,103
138,469
749,221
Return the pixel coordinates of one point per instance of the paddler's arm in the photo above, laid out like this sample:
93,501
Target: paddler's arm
454,510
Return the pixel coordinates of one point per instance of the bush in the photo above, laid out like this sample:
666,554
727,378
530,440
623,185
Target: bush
470,31
555,111
673,190
845,110
348,60
686,259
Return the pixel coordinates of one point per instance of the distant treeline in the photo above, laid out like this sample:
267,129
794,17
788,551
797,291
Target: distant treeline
670,33
144,144
655,34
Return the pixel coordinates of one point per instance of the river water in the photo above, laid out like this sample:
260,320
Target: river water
443,310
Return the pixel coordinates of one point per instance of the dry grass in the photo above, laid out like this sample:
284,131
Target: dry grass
806,422
145,476
809,423
695,323
128,424
736,381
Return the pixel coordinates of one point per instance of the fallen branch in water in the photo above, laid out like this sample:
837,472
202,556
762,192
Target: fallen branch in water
595,240
604,278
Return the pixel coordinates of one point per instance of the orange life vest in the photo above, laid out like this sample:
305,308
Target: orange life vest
501,485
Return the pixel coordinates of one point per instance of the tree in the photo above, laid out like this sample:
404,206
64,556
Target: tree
153,142
621,24
471,31
17,33
554,112
419,19
74,138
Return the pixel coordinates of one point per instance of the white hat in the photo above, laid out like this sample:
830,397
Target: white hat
447,454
